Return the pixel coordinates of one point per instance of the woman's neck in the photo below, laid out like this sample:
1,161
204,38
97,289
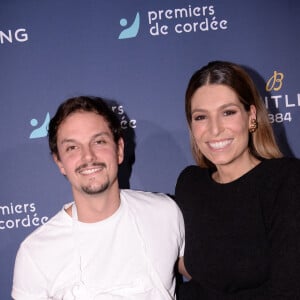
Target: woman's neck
229,173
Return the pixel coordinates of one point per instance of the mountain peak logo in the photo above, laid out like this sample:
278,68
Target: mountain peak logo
132,30
40,131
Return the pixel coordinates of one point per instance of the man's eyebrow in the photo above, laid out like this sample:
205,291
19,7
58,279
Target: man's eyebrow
103,133
71,140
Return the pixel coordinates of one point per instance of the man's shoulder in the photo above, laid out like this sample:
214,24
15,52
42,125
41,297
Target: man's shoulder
143,199
138,194
47,231
154,211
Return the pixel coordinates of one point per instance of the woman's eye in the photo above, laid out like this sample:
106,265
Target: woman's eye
229,112
199,117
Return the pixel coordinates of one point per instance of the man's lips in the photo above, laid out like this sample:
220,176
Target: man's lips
90,169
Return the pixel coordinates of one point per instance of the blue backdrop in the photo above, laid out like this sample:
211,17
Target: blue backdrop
140,55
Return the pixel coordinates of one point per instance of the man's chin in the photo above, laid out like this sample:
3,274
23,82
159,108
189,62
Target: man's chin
92,190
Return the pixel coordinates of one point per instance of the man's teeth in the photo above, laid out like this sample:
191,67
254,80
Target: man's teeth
89,171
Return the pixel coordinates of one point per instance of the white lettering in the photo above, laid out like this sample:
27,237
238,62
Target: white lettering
205,25
152,16
17,208
157,30
27,221
21,35
266,102
180,13
18,35
287,104
275,98
3,36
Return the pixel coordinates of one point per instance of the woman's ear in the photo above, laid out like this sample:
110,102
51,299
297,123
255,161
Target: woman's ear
252,112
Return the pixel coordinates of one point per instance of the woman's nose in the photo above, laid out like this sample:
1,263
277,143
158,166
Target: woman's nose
215,126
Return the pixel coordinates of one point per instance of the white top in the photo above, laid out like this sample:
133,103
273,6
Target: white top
129,255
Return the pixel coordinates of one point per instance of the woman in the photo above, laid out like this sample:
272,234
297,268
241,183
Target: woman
241,203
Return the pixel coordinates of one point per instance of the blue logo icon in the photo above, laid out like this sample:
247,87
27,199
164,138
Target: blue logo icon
132,30
42,130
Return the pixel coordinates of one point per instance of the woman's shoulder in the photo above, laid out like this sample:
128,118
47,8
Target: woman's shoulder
280,171
284,164
191,171
190,178
291,166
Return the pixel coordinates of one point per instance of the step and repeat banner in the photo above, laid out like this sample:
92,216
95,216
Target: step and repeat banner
139,55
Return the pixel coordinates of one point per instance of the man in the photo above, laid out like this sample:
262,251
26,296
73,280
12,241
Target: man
109,243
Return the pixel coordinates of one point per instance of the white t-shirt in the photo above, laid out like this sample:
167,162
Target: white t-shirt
129,255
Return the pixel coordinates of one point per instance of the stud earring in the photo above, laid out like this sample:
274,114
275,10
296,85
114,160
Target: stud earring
253,125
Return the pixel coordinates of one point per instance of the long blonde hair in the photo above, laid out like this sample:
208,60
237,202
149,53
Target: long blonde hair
262,143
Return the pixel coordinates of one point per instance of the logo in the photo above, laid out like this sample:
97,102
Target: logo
275,82
177,20
132,30
19,35
42,130
279,104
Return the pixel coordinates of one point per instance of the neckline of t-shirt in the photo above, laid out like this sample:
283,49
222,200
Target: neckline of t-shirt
98,224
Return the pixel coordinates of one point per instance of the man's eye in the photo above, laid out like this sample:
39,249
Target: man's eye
70,148
100,142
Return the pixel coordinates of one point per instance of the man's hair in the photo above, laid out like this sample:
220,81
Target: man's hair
84,104
262,142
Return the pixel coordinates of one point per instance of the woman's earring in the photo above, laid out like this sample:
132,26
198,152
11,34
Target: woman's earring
253,125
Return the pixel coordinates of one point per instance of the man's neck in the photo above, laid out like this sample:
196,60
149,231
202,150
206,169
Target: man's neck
95,208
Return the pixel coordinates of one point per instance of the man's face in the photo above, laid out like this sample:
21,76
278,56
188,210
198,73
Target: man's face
88,155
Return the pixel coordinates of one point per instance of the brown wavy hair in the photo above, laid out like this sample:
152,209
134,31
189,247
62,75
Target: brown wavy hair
87,104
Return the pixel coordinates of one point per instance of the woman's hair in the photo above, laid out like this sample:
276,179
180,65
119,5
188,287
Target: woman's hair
262,144
83,104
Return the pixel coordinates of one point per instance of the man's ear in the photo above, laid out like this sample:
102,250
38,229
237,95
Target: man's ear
120,150
59,164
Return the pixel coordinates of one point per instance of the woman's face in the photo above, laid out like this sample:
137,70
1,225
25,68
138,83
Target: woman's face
220,125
